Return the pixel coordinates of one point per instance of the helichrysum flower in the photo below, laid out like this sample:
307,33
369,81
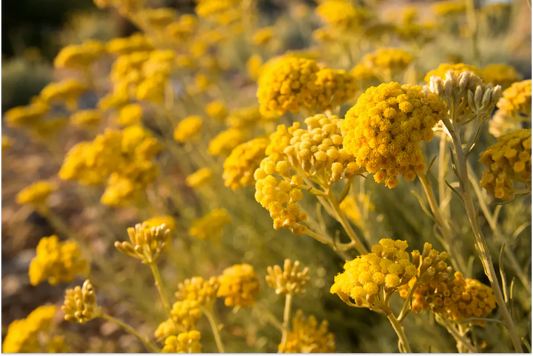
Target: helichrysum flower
36,194
66,91
500,74
146,242
254,65
23,334
288,85
444,8
383,129
289,280
211,225
188,129
158,18
79,56
241,164
199,178
502,123
387,268
168,221
263,36
341,15
182,29
225,142
217,110
80,304
89,117
336,87
197,289
186,314
247,117
353,210
137,42
239,285
516,100
507,160
307,336
458,68
57,262
26,116
388,59
130,114
188,342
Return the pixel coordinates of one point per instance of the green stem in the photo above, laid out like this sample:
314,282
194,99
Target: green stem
401,334
406,308
131,330
462,341
214,327
286,318
161,289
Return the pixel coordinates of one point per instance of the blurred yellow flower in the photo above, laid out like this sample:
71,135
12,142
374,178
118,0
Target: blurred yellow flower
307,336
216,110
199,178
225,142
188,342
241,164
89,117
188,129
36,194
239,286
211,225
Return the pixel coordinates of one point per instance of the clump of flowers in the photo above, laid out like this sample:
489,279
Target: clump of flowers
225,142
507,161
341,15
186,313
36,194
199,178
79,56
197,289
188,342
146,242
385,269
241,164
64,92
23,334
448,8
130,114
288,85
383,129
89,118
217,110
516,100
80,304
458,68
57,262
263,36
239,286
391,60
500,74
307,336
26,116
211,225
188,129
155,222
289,280
336,87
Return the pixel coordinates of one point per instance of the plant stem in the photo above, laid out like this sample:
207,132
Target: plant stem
161,289
131,330
286,318
406,305
481,243
462,341
399,331
214,327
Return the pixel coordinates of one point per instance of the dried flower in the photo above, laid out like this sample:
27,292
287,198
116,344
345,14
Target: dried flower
80,304
289,280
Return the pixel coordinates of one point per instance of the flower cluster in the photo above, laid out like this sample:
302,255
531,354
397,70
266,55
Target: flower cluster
64,92
146,242
217,110
448,8
458,68
57,262
341,15
239,286
130,114
516,100
137,42
199,178
36,194
211,225
243,161
88,118
383,129
197,289
289,280
79,56
336,87
186,313
352,210
307,336
23,334
393,60
123,158
500,74
188,342
387,268
80,304
225,142
188,129
507,160
155,222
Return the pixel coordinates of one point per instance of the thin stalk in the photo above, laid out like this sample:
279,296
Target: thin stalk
462,341
161,289
286,318
481,243
131,330
407,304
214,327
401,334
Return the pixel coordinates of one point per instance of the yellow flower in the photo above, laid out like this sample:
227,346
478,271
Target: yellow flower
158,18
225,142
66,91
89,117
516,100
80,304
383,129
186,314
130,114
500,74
336,87
182,29
288,85
23,116
199,290
458,68
151,89
288,280
262,36
217,110
239,286
168,221
392,59
241,164
211,225
507,160
7,142
188,342
57,262
307,336
199,178
137,42
254,65
79,56
248,117
444,8
36,194
188,129
23,334
350,207
341,14
147,241
386,268
502,123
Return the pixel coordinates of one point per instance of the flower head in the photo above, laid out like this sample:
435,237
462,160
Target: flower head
307,336
393,59
383,129
516,100
79,56
217,110
186,314
289,280
130,114
238,285
36,194
507,161
188,342
146,242
89,118
500,74
199,178
225,142
336,87
188,129
211,225
241,164
26,116
263,36
80,304
458,68
197,289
